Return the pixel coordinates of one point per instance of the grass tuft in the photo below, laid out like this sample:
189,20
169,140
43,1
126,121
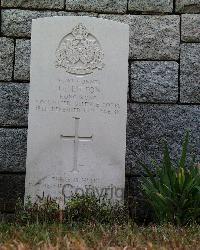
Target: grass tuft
97,236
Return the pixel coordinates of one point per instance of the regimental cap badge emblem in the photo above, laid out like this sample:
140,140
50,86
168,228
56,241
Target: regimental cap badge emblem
79,52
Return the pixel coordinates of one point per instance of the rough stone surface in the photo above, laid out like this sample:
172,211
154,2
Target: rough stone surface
5,216
152,37
154,6
190,28
22,59
148,124
188,6
138,208
190,73
6,58
38,4
17,23
12,149
64,13
154,81
11,188
91,14
106,6
13,104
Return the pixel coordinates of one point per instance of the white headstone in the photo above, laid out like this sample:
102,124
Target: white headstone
78,108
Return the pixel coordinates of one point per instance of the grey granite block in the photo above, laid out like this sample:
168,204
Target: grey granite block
90,14
154,81
139,209
13,104
187,6
65,13
149,124
37,4
152,37
6,217
190,28
6,58
154,6
12,149
190,73
22,59
11,189
17,23
106,6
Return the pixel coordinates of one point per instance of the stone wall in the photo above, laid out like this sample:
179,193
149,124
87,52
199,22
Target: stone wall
164,82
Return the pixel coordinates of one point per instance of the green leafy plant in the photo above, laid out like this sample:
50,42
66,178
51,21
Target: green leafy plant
173,192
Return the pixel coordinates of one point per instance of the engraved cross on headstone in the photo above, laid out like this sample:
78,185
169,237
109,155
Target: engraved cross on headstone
76,139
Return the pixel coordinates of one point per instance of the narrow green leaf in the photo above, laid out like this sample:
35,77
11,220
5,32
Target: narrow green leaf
184,151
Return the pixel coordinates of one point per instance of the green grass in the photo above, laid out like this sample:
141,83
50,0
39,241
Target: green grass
98,236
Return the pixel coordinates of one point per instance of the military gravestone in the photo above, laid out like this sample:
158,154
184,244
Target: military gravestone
78,108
